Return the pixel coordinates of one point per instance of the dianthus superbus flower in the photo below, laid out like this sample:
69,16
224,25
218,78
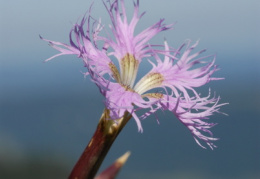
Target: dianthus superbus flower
178,71
169,85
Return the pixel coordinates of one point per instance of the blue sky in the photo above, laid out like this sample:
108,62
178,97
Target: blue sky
44,106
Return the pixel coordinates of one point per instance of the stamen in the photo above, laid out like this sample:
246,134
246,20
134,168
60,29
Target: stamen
129,67
128,88
153,95
115,72
150,81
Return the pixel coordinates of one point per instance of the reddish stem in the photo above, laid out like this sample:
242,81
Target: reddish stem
95,152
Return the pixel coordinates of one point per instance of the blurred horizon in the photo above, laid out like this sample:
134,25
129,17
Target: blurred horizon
49,111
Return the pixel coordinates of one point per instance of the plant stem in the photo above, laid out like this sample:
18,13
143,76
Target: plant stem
95,152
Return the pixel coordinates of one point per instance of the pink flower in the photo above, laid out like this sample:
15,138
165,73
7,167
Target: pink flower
170,84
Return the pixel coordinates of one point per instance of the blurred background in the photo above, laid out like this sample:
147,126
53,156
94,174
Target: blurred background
49,111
